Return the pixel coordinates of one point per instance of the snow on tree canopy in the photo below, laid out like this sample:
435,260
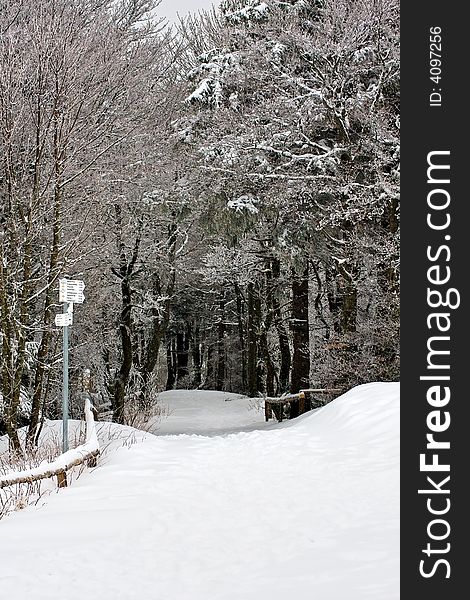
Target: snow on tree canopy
364,54
213,67
246,202
253,11
201,93
278,50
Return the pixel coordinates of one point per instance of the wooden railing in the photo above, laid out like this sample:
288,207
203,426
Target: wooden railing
84,454
297,404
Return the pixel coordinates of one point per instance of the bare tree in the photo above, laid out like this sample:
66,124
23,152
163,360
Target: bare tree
71,77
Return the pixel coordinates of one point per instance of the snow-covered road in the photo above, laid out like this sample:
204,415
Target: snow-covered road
306,509
208,413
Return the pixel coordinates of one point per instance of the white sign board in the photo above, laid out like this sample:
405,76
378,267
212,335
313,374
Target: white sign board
71,290
64,319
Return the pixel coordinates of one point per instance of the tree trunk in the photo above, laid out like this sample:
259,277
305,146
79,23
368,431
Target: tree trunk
270,371
220,380
160,315
126,268
209,381
300,333
241,335
318,304
12,433
342,298
252,354
43,350
283,337
171,363
122,376
196,355
349,307
182,358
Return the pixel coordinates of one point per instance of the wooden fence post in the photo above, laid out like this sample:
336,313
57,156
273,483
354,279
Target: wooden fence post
61,479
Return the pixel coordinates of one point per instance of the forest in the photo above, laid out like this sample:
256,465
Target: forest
227,189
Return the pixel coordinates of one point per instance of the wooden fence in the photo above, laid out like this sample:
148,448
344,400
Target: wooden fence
292,405
84,454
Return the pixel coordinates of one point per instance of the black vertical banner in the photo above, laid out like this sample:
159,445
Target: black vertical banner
435,416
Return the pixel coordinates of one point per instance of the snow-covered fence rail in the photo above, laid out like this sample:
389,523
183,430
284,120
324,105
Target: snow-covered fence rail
85,453
298,404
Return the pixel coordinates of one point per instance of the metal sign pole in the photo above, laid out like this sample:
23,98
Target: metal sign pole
70,291
65,391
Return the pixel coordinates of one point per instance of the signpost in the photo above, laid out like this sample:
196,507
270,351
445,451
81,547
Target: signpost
70,292
64,319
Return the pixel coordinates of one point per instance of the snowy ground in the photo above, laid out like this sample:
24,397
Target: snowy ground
208,413
307,509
